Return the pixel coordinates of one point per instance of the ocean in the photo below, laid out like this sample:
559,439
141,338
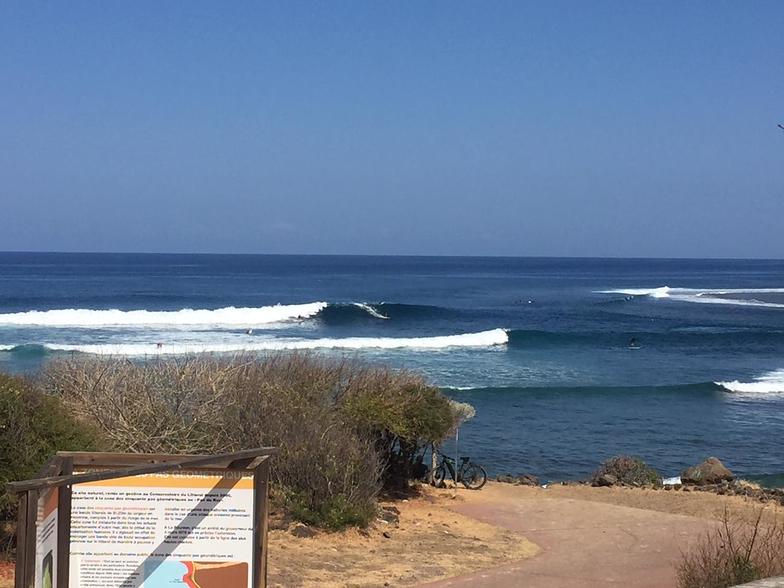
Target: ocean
567,361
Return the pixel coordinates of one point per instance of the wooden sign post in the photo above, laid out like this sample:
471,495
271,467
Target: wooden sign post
120,520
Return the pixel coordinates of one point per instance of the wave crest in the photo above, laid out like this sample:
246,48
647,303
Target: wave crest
221,317
731,296
771,382
481,339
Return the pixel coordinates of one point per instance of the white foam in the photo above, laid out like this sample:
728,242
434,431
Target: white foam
370,310
6,347
772,382
704,296
481,339
221,317
661,292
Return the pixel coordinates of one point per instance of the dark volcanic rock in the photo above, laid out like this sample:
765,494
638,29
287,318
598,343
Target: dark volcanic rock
506,479
527,480
711,471
389,515
605,480
303,531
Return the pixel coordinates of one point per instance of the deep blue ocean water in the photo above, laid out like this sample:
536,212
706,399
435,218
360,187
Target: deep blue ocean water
540,347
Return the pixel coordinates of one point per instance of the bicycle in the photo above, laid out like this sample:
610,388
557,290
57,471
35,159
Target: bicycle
471,475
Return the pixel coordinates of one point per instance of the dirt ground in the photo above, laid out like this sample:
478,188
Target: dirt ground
6,574
430,542
433,542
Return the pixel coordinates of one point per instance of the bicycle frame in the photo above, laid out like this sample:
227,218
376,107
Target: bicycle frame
450,464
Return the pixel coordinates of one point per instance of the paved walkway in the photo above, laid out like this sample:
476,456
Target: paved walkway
583,544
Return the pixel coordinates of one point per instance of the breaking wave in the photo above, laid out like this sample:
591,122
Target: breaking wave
482,339
771,382
221,317
370,310
731,296
229,317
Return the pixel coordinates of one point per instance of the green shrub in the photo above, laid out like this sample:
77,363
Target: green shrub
33,427
334,513
401,413
629,470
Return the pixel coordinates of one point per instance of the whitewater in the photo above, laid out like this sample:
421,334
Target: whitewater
768,383
482,339
704,296
221,317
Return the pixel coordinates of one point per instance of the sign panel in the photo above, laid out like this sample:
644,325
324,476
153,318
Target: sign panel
188,529
46,539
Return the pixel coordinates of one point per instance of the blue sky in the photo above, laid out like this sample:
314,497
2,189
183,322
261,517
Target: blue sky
465,128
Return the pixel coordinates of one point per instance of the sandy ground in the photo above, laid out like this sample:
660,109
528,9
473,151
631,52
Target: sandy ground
430,542
6,575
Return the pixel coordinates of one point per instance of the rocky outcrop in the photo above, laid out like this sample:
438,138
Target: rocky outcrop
389,515
519,480
527,480
303,531
711,471
604,480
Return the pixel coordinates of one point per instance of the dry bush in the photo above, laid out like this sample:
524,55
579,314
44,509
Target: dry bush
337,423
628,470
734,553
162,406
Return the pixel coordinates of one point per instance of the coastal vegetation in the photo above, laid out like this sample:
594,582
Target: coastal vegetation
346,430
33,426
734,553
624,469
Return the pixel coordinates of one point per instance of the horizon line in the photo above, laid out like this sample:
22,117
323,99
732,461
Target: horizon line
413,255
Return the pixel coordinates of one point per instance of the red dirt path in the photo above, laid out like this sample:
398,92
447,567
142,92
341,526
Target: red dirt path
583,543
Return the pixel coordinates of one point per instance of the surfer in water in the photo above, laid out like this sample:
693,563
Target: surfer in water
633,344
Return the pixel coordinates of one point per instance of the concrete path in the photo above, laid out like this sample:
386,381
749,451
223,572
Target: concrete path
583,544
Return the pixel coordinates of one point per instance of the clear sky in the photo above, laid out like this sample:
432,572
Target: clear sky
467,128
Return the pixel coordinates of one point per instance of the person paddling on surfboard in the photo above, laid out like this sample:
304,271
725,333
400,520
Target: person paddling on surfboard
633,344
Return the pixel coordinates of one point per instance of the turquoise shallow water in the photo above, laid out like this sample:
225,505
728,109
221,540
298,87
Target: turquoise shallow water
539,346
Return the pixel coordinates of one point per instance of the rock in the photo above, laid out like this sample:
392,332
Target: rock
605,480
711,471
303,531
386,535
527,480
505,479
389,516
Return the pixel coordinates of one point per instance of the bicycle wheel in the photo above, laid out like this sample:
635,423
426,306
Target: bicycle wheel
439,475
474,477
